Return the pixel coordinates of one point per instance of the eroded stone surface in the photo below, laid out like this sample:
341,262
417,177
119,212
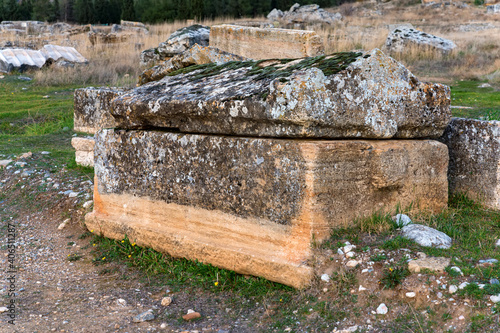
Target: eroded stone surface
372,96
196,55
474,147
92,108
253,205
84,148
401,38
258,43
308,14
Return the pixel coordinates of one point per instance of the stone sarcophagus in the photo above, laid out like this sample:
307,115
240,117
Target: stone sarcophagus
244,166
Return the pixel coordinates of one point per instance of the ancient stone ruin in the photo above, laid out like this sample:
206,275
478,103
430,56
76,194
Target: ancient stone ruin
23,59
303,15
244,164
402,38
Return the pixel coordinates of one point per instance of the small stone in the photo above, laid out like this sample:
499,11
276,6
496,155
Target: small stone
339,251
45,152
457,269
163,326
349,248
382,309
25,155
4,163
350,254
410,294
439,295
452,289
463,285
325,277
145,316
191,315
497,243
121,302
3,309
352,263
481,285
62,225
488,262
401,220
437,264
165,301
87,204
494,281
361,288
73,194
46,96
495,298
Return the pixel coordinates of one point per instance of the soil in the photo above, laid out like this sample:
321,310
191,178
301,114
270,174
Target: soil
54,293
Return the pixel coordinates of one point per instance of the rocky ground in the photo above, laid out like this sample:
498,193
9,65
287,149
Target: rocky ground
58,287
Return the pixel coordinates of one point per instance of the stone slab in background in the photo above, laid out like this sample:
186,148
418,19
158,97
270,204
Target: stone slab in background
474,147
84,151
56,52
249,204
401,38
369,96
92,109
493,9
257,43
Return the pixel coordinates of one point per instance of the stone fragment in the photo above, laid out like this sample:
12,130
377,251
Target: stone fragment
353,263
452,289
373,97
463,285
487,262
4,163
494,281
382,309
350,255
84,154
92,109
269,196
258,43
493,9
401,220
63,224
309,14
361,288
178,42
474,147
435,264
400,39
145,316
457,269
165,301
325,278
410,294
275,14
495,298
196,55
427,236
87,204
25,155
191,315
121,302
497,244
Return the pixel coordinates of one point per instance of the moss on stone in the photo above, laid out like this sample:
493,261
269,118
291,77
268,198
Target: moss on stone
330,65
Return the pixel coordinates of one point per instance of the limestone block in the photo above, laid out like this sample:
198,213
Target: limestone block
345,95
401,38
492,9
84,147
257,43
474,147
253,205
92,109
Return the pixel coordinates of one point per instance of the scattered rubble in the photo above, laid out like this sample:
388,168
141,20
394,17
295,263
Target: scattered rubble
401,38
308,14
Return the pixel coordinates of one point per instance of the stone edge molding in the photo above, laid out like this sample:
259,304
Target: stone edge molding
335,182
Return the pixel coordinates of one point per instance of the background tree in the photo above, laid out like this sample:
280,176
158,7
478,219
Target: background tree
11,10
84,10
128,10
42,10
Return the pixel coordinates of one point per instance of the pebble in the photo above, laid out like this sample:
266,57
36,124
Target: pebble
494,281
495,298
349,248
350,254
87,204
163,326
121,302
45,152
339,251
401,220
62,225
382,309
352,263
497,243
73,194
457,269
463,285
461,318
411,294
452,289
145,316
3,309
191,315
165,301
325,278
361,288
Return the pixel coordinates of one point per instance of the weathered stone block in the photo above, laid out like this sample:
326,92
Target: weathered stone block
474,147
345,95
253,205
257,43
401,38
92,109
84,148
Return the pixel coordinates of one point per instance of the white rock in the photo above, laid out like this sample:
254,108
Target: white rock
481,285
382,309
3,309
497,243
62,225
163,326
87,204
401,37
439,295
352,263
452,289
325,277
495,298
190,311
461,318
349,248
457,269
463,285
361,288
165,301
410,294
121,302
73,194
4,163
401,220
45,152
350,254
427,236
339,251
